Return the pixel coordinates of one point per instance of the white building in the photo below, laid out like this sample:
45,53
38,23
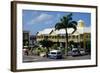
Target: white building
82,34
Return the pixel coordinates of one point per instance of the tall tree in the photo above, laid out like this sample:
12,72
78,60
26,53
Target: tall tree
46,43
66,22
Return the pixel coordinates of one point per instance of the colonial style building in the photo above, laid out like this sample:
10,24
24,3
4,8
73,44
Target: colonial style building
81,36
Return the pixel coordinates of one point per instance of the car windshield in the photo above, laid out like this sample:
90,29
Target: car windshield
75,50
58,52
53,53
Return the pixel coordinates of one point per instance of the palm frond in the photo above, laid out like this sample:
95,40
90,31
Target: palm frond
66,22
68,18
72,24
75,28
59,26
70,15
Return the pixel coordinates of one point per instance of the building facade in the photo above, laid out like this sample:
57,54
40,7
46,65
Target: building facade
81,36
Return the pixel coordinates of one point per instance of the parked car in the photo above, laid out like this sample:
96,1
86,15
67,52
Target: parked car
75,52
55,54
82,52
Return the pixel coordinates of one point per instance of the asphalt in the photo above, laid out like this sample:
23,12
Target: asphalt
33,58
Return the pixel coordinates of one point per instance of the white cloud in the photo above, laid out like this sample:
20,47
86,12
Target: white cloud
42,18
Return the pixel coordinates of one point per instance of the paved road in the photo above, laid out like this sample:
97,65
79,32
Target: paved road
79,57
35,59
41,59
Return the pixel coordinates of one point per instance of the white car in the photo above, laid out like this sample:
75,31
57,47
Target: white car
82,51
55,54
75,52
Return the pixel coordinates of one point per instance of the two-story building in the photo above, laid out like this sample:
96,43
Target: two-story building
81,36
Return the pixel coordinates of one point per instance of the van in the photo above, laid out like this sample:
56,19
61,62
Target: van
55,54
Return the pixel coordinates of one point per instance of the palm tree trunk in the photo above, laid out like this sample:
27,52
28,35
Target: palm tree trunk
66,43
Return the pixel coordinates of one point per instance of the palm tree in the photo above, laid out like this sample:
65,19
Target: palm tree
66,22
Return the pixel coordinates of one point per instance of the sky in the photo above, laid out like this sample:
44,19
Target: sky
35,21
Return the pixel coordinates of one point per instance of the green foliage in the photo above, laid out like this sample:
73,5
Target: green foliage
46,43
55,46
66,22
39,50
25,43
88,46
63,50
